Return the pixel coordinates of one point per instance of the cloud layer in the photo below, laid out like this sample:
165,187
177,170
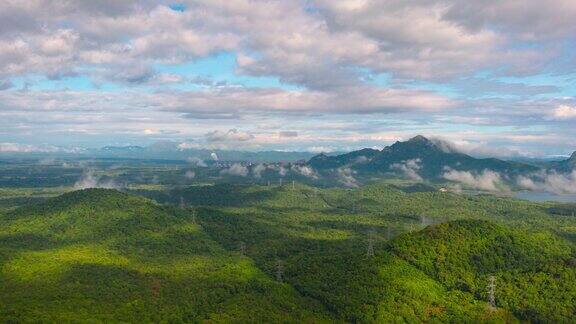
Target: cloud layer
238,71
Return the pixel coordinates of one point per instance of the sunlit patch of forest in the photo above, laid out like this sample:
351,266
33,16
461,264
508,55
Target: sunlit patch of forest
292,253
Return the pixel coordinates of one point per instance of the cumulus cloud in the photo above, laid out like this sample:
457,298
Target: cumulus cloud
549,181
232,135
315,48
320,149
486,180
477,148
188,146
198,162
409,168
361,160
282,171
330,58
235,170
346,177
90,180
564,112
214,156
258,169
305,170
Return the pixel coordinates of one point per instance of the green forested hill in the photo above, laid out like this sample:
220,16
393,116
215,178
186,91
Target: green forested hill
107,256
111,256
535,275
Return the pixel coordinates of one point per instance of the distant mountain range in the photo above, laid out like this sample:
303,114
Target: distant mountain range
172,152
164,150
417,157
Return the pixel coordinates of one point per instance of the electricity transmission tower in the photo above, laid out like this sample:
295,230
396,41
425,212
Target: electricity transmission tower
279,271
193,215
242,248
425,221
280,182
370,250
388,233
293,184
491,296
182,203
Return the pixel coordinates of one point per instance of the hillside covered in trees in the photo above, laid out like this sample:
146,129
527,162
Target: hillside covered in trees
111,257
293,253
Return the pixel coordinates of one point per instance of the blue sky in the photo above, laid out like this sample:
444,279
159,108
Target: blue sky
312,75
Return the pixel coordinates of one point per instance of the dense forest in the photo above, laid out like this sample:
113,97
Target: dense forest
292,253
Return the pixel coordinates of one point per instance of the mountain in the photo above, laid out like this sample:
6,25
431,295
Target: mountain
421,156
100,255
567,165
168,150
163,150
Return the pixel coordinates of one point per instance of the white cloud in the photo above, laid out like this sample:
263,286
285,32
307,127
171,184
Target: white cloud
320,49
196,162
320,149
551,181
90,180
477,148
236,170
338,57
346,177
305,171
232,135
258,169
409,168
564,112
486,180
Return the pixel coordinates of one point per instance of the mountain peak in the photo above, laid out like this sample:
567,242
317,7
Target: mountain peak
573,156
419,138
418,142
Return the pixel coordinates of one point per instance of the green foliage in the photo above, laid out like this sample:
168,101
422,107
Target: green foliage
535,273
108,256
101,255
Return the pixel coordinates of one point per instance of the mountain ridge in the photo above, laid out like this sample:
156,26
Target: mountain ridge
427,158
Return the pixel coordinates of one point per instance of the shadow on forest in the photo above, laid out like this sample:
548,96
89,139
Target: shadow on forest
312,266
27,241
